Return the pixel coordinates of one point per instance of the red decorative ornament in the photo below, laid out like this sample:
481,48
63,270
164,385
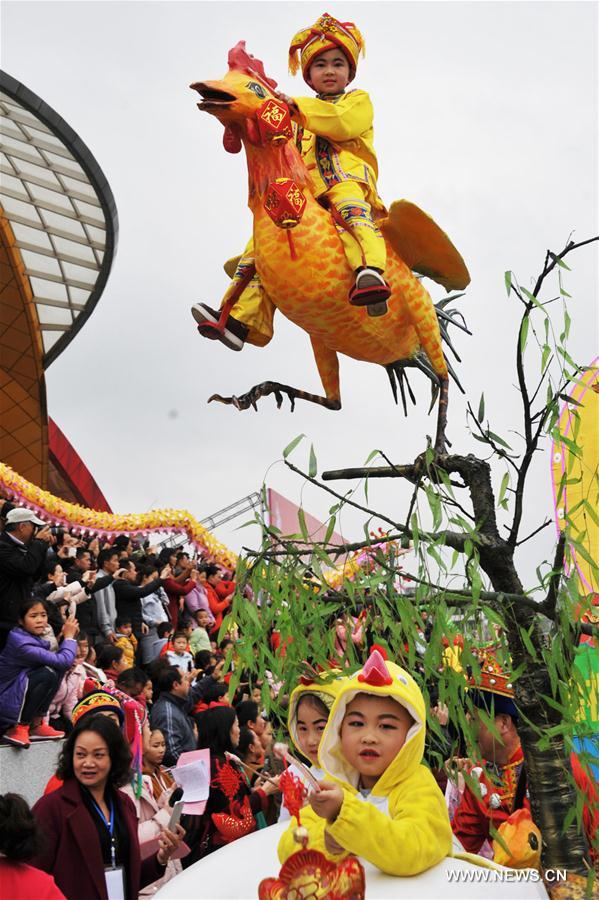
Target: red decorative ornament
274,122
284,203
294,793
309,875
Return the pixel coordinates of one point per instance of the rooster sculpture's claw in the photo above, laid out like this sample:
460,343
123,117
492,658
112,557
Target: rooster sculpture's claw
274,387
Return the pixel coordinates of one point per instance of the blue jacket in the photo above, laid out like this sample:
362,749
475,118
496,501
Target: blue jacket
22,653
169,714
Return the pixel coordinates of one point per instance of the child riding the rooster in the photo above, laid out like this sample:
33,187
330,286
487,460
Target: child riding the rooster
334,132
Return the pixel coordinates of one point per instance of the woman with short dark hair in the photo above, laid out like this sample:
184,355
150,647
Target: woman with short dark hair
90,826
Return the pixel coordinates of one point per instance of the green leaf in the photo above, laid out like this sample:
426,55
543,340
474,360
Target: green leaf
498,440
527,642
302,524
291,447
507,277
524,333
559,261
330,529
504,485
546,353
312,465
532,299
415,532
481,408
371,456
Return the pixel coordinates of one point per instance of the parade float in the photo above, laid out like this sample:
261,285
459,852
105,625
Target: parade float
298,256
575,471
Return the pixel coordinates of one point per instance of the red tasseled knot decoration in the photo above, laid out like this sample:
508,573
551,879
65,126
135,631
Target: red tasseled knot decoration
294,793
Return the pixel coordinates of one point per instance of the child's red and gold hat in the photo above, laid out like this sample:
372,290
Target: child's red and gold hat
326,34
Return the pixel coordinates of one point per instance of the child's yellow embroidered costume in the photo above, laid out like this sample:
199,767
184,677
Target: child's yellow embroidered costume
402,825
335,135
338,145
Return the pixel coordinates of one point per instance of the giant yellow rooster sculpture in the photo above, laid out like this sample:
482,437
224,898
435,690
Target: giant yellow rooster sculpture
305,272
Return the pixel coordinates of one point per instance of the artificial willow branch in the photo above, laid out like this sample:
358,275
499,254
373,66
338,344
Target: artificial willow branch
454,539
549,267
532,441
488,440
464,597
330,549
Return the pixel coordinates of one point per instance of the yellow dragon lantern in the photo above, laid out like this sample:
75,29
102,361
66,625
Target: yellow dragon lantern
302,266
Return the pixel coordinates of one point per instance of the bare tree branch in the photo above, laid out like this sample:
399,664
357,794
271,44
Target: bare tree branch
533,533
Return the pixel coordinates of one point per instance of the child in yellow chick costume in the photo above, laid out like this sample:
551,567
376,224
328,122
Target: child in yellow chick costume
335,134
309,707
380,802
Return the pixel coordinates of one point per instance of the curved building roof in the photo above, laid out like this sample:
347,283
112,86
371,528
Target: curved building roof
61,212
58,234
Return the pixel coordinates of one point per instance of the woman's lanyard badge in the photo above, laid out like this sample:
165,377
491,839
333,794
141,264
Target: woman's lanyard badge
115,885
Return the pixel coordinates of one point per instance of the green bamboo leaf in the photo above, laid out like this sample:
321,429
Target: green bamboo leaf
498,440
507,277
504,485
559,261
591,511
291,447
569,819
527,643
524,333
302,524
532,299
371,456
481,408
545,354
330,529
415,532
312,465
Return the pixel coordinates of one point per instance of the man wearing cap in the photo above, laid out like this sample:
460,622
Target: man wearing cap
23,547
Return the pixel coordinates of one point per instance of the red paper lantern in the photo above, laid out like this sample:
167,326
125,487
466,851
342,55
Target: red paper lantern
274,122
285,203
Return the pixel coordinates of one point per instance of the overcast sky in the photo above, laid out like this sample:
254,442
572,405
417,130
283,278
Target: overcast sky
485,116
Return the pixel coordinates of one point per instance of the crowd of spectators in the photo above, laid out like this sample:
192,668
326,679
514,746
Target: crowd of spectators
129,632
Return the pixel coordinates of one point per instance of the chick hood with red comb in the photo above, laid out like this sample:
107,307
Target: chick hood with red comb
401,825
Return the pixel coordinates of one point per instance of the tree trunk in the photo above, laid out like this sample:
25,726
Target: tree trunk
549,772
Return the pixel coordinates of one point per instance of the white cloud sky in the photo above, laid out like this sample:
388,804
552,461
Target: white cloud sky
485,116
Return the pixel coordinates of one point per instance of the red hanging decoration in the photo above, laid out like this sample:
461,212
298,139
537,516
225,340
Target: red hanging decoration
285,203
274,122
294,793
292,252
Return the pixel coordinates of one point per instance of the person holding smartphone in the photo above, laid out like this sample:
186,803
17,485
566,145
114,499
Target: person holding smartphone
30,674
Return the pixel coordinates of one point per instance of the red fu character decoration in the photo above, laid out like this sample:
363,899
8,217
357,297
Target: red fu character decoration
274,122
285,204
